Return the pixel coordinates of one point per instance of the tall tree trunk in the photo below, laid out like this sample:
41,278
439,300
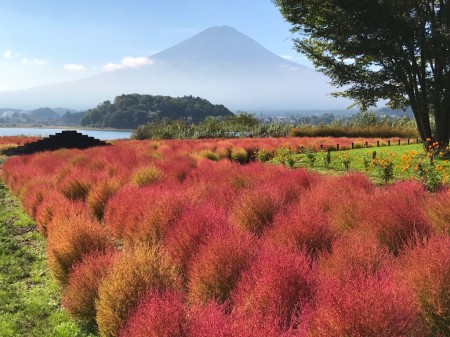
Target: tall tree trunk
442,132
422,118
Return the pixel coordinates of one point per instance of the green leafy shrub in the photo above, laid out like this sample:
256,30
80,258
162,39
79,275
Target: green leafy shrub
146,175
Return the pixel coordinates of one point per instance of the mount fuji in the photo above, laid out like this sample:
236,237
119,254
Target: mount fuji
219,64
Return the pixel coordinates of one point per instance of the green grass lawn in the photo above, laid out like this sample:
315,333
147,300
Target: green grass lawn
361,160
29,299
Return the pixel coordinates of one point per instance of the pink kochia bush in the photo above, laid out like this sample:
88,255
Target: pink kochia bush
218,265
194,238
427,269
277,287
158,314
81,292
374,305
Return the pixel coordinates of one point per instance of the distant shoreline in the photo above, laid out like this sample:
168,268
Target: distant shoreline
65,127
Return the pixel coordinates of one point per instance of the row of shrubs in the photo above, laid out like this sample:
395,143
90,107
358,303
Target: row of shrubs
378,131
154,239
243,125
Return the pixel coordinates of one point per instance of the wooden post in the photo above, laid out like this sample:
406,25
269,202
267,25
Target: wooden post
417,140
329,157
389,142
378,143
374,154
367,144
399,142
337,147
321,146
408,141
353,145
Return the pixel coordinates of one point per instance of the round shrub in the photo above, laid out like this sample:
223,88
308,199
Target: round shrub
158,314
374,305
239,154
68,244
399,218
218,265
278,285
146,175
190,232
355,253
427,269
255,210
304,227
137,271
98,197
81,292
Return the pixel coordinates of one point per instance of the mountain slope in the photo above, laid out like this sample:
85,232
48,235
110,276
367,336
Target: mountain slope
219,64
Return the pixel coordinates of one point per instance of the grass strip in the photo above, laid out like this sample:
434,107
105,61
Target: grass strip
29,299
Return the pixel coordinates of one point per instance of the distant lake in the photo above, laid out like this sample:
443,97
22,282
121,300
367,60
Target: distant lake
42,132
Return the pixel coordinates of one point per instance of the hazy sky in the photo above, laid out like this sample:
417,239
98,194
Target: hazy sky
46,41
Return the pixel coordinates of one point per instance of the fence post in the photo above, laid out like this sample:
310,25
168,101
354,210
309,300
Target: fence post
399,142
353,145
408,141
329,157
367,144
389,142
374,154
321,146
378,143
337,147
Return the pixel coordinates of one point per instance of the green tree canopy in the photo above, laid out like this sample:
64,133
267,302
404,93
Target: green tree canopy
395,50
130,111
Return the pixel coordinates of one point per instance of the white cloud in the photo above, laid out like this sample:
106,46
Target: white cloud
287,57
7,54
135,62
74,68
38,62
128,62
112,66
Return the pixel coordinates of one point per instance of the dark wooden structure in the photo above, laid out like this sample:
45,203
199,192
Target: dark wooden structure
68,139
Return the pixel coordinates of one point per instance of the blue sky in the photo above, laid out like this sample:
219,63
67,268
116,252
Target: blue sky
49,41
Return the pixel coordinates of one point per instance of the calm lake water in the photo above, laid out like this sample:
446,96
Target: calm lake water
41,132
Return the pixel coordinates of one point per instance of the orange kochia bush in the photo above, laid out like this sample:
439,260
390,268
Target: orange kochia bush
238,249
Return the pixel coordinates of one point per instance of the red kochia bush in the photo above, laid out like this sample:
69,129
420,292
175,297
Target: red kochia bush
439,212
99,195
70,242
427,268
211,320
81,292
255,209
355,253
218,265
364,306
278,285
304,227
190,231
398,218
144,214
33,192
158,314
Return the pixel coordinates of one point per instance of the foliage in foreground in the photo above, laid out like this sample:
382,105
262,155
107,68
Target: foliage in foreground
212,236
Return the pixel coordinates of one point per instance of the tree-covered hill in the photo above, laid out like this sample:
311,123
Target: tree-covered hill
130,111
